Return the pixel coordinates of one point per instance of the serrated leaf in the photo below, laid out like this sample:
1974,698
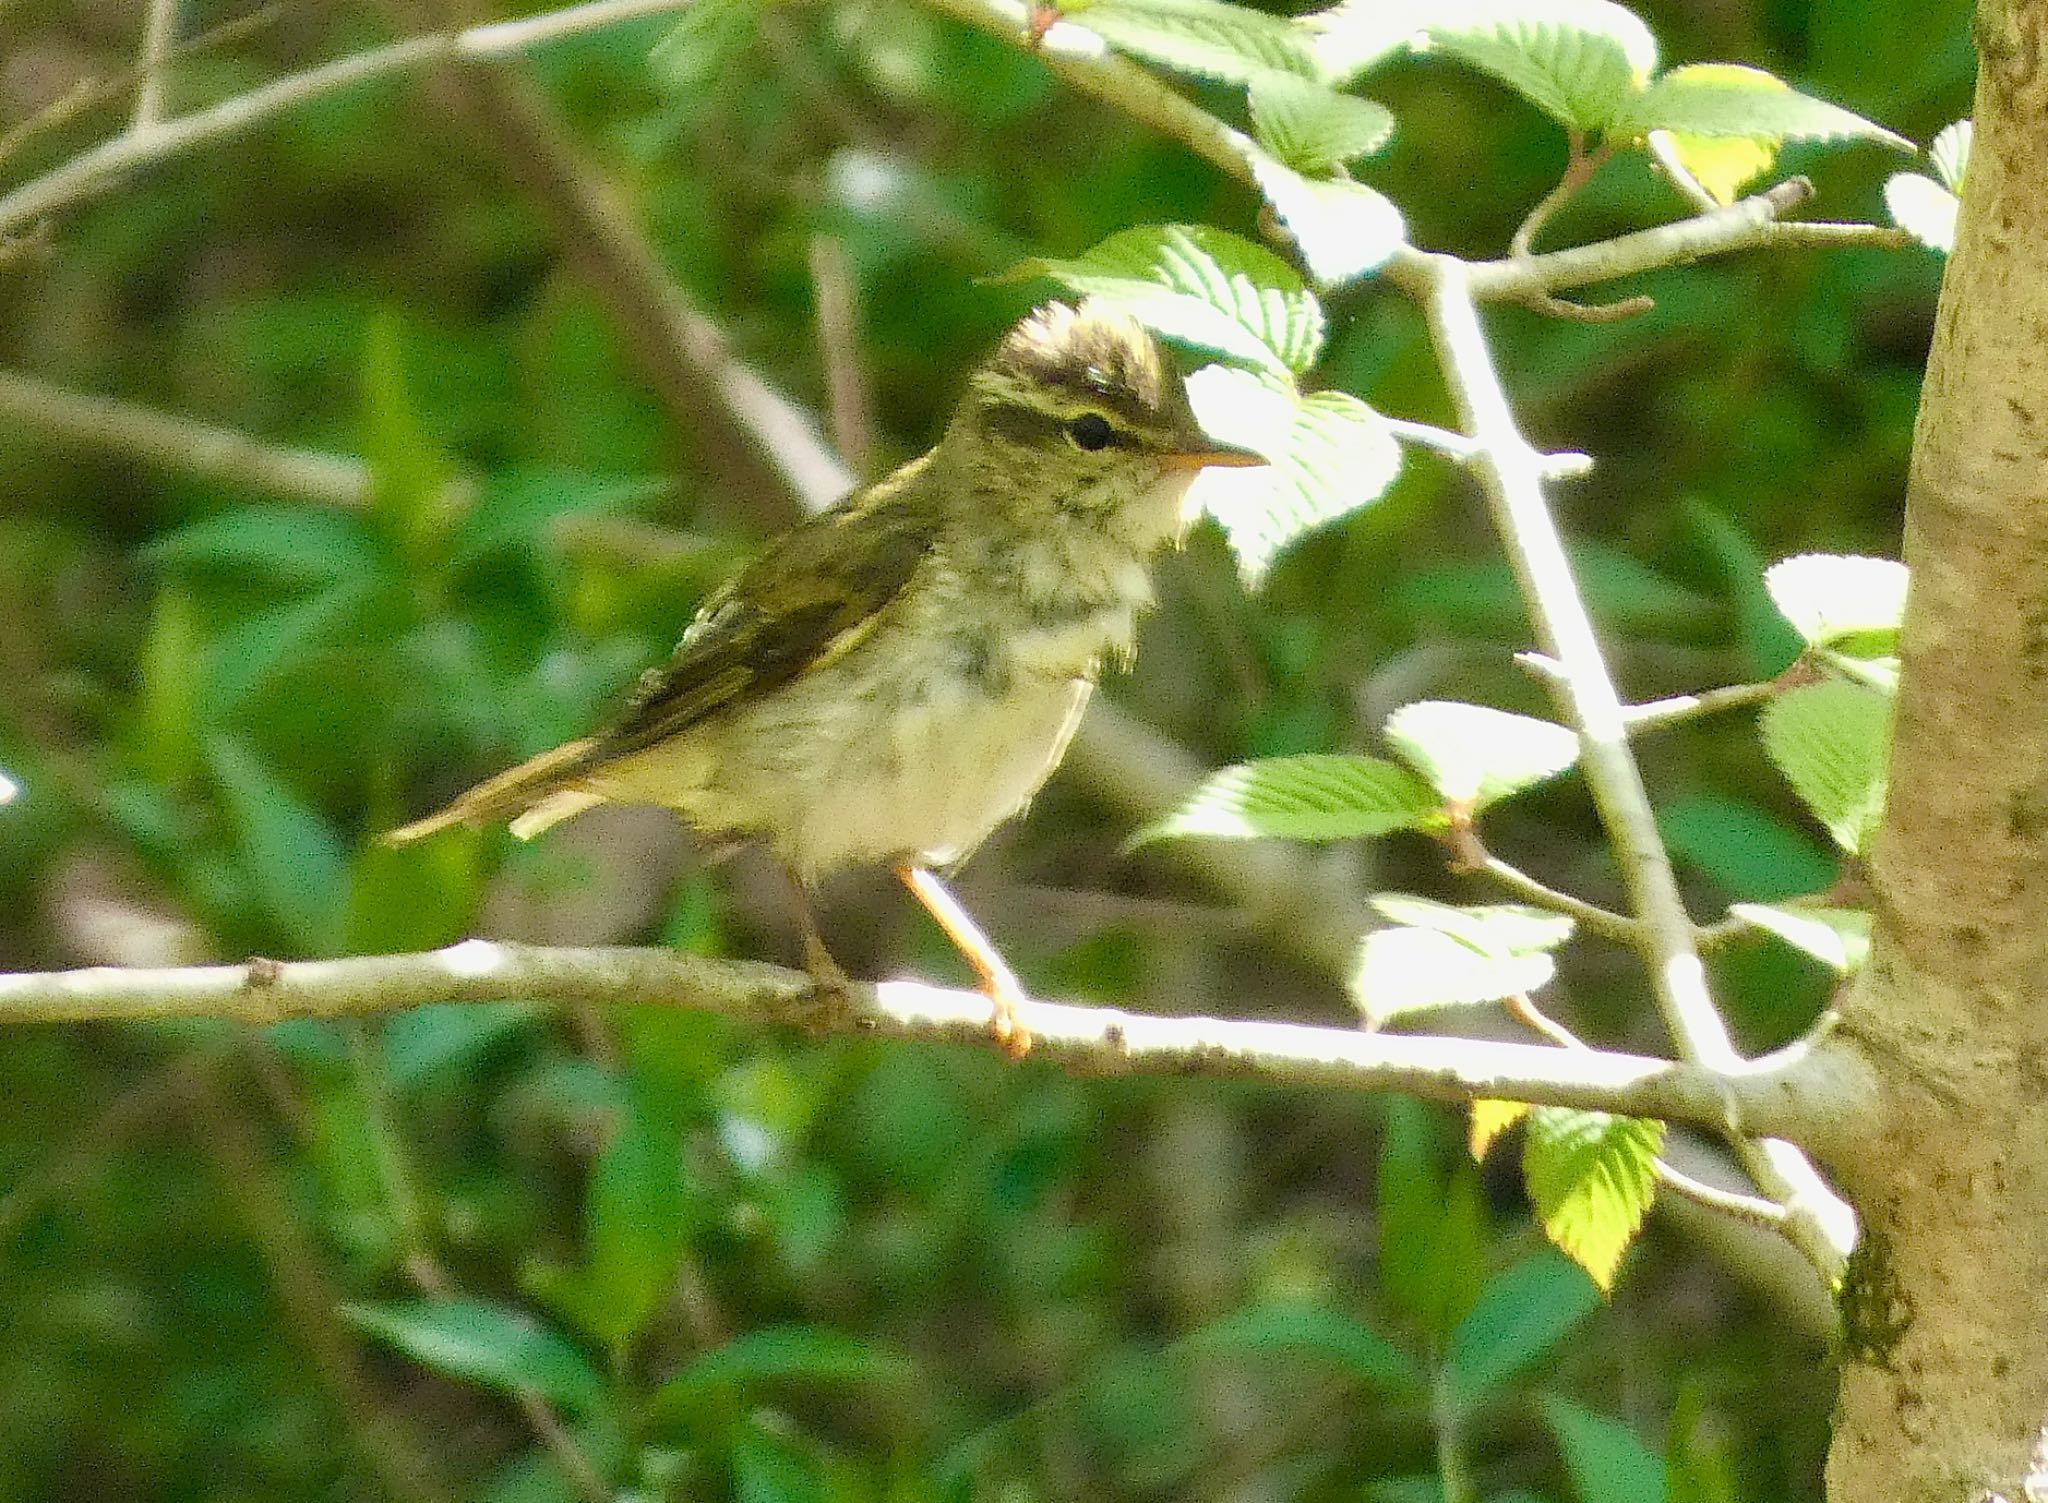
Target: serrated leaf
1341,229
1923,208
1579,61
1723,165
487,1344
1209,38
1317,796
1476,755
1831,741
1349,37
1298,1327
1311,127
1489,1119
1950,153
1839,938
1592,1177
1330,454
1521,1314
1606,1461
703,43
1491,928
1404,970
1204,286
1723,99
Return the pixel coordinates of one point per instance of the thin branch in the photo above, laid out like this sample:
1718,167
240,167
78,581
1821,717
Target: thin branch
159,34
838,318
1601,921
1511,473
1675,709
1783,1093
1579,167
1664,152
181,445
101,168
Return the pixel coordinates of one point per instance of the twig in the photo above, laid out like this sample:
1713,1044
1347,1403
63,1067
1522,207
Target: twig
159,34
182,445
1579,167
1784,1092
1601,921
1675,709
95,171
853,427
1511,473
1664,152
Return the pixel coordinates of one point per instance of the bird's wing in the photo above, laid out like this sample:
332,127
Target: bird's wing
812,596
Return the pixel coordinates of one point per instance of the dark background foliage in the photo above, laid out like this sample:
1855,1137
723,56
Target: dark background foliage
948,1277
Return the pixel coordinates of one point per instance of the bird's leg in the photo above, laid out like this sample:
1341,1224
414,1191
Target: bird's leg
834,991
1004,990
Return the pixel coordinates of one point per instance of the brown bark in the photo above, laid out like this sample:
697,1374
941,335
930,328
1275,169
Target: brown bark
1945,1392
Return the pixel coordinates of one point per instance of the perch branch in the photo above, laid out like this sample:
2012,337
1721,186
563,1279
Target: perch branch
1783,1092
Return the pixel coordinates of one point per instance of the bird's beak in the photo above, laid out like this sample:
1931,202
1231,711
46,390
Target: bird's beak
1220,456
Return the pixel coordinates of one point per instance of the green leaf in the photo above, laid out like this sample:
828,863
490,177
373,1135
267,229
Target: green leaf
1330,453
1312,127
1579,61
1722,99
1521,1314
1592,1177
1475,755
1317,796
1303,1328
704,43
1923,209
1831,740
769,1468
636,1225
1839,938
410,495
1606,1461
168,703
1205,287
1842,601
301,547
515,510
1432,1232
1491,928
1413,970
271,644
416,897
776,1355
493,1346
1341,229
290,852
1209,38
443,1042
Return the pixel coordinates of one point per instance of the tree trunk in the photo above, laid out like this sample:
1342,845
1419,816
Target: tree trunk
1945,1388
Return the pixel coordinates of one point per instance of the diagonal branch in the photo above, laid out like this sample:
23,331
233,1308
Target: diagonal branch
1511,472
1785,1092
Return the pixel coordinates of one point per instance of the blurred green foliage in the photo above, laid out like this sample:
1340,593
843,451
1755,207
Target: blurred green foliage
327,1261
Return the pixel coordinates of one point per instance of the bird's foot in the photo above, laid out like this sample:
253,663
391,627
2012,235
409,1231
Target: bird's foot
829,1005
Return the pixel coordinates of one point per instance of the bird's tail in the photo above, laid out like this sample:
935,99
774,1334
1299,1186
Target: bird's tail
532,796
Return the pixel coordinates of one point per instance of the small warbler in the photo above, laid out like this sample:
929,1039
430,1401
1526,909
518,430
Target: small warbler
894,677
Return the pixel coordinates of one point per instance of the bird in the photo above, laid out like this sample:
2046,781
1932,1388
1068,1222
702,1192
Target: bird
897,675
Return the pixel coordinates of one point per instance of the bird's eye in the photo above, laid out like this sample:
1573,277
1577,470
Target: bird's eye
1091,431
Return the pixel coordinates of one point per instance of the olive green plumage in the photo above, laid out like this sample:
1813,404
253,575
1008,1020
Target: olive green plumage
892,678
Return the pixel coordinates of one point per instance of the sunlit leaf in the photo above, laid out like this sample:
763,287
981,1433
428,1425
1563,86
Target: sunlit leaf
1311,797
1839,938
491,1345
1592,1177
1579,61
1342,229
1831,741
1950,153
1476,755
1923,209
1492,928
1722,99
1203,286
1405,970
1351,36
1312,127
1209,38
1330,453
1488,1120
